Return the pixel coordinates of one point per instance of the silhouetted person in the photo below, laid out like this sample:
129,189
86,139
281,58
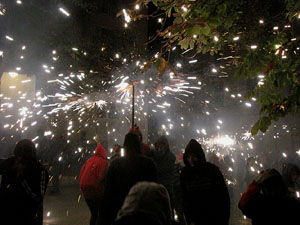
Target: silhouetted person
164,160
91,182
147,203
266,201
290,175
23,186
122,174
116,153
145,148
205,195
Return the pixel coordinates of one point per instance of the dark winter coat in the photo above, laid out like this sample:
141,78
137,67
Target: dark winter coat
145,149
205,195
121,175
269,210
146,203
21,196
165,164
287,171
92,174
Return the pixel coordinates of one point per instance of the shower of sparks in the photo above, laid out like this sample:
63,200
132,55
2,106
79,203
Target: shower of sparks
79,104
247,136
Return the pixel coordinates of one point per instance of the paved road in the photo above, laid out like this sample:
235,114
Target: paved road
68,208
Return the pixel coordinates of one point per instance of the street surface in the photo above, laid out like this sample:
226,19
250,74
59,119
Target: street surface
67,208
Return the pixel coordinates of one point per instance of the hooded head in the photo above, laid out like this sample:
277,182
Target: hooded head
136,130
146,203
290,174
162,144
25,151
116,148
132,143
100,151
273,185
194,150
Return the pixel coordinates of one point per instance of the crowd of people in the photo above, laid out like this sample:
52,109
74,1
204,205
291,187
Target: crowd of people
141,185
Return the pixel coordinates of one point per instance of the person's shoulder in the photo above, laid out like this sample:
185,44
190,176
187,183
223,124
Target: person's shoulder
212,166
41,168
186,169
292,202
172,156
116,161
146,146
145,161
145,158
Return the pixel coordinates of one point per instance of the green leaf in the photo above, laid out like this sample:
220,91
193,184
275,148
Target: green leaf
222,9
214,22
192,44
255,128
264,124
205,31
196,30
184,43
161,65
203,40
228,23
169,12
178,20
147,66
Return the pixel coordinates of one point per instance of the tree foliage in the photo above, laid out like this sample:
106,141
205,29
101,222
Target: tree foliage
261,38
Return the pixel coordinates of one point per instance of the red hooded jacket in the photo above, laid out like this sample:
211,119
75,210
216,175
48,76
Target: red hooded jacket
92,174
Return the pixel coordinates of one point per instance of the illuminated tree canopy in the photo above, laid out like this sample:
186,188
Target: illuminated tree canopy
259,39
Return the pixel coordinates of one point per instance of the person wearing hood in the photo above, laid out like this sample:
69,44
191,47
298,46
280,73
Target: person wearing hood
266,201
147,203
164,160
122,174
23,186
205,195
145,148
290,174
91,182
116,152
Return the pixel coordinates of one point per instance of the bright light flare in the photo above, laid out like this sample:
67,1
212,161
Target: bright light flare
13,74
184,8
122,152
126,16
101,103
64,11
224,141
9,38
250,145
